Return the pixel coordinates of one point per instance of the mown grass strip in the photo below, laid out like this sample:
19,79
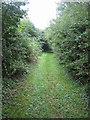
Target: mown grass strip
48,92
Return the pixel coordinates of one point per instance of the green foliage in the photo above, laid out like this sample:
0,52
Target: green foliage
43,42
11,15
20,44
47,92
68,37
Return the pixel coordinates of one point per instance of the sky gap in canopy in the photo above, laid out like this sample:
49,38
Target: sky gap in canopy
41,12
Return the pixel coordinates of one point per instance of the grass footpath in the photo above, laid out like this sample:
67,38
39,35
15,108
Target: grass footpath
47,92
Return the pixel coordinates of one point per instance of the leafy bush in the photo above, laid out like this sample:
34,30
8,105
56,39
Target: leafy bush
20,40
11,15
20,44
68,37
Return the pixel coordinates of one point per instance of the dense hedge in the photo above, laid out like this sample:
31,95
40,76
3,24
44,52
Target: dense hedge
68,37
19,40
20,45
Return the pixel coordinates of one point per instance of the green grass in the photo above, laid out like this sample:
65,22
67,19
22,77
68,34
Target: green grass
47,92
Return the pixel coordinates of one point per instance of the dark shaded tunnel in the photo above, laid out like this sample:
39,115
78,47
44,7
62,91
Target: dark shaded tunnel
46,47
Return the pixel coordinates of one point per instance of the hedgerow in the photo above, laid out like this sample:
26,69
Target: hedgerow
20,43
68,37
